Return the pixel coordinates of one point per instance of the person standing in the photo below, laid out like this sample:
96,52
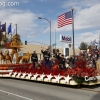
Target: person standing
46,55
34,58
62,62
57,56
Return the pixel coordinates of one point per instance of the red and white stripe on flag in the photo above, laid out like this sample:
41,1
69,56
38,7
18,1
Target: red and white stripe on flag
65,19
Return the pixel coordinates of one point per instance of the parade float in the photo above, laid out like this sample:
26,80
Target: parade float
20,67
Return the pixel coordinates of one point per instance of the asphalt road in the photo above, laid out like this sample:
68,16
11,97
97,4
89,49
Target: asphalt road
12,89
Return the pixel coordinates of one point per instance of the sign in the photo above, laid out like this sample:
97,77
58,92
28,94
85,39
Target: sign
54,44
87,78
66,39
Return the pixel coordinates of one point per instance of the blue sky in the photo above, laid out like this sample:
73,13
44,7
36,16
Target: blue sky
25,15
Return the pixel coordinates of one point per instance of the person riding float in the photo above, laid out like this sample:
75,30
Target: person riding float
34,58
46,55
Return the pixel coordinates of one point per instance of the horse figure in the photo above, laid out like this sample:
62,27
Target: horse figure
26,58
2,57
7,57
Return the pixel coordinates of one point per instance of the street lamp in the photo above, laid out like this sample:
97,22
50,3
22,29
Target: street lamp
50,29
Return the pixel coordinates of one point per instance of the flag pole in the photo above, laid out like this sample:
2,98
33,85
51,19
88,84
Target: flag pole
0,35
16,29
73,31
99,43
5,29
11,31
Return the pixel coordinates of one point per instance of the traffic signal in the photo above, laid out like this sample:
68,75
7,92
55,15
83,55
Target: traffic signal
25,42
54,51
70,45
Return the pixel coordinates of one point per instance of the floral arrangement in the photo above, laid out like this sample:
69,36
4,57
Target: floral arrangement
79,71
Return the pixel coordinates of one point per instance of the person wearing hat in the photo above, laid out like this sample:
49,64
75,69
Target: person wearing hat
62,62
57,54
34,58
46,56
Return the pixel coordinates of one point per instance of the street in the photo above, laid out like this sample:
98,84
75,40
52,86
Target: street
13,89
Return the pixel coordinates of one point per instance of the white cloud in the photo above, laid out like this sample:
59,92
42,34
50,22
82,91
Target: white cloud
25,20
26,1
43,0
86,37
79,4
83,19
88,18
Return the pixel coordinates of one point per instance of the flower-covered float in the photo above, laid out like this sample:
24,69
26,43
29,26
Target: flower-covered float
79,74
76,75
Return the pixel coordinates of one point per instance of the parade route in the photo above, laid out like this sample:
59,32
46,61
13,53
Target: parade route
12,89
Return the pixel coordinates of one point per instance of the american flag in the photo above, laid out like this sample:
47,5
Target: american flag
65,19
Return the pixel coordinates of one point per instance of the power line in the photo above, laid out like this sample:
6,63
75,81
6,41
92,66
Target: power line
37,42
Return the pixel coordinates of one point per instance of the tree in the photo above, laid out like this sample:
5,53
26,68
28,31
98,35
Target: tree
83,46
3,39
91,46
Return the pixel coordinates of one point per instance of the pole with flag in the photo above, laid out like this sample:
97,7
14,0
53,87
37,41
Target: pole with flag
10,30
16,29
99,43
66,19
95,44
73,31
0,35
5,30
